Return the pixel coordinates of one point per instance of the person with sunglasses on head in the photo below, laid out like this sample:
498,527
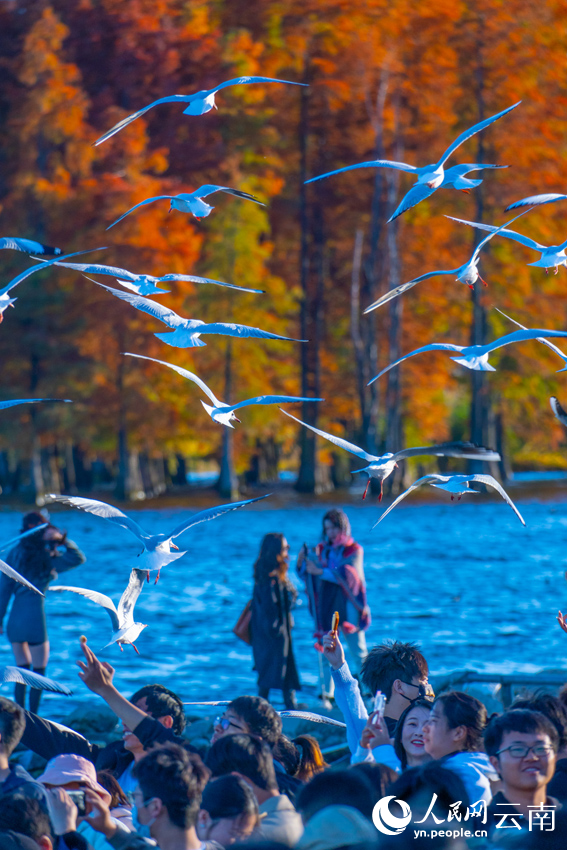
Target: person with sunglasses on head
271,621
522,747
453,737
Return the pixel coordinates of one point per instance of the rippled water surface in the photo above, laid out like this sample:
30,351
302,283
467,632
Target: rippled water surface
466,580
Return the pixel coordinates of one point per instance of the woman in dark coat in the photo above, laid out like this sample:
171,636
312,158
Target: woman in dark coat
272,622
39,559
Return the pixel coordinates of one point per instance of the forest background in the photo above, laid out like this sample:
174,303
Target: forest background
395,80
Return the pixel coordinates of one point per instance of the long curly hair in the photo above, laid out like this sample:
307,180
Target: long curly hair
271,561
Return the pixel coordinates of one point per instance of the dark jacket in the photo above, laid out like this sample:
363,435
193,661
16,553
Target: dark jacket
19,784
270,629
558,785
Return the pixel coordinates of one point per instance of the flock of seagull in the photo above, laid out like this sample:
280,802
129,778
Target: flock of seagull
159,549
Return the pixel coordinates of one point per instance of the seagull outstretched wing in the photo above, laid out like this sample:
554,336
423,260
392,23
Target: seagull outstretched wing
457,448
100,599
550,345
517,336
14,574
373,163
130,597
509,234
426,479
184,374
434,346
146,305
493,233
242,331
27,533
416,194
43,265
211,513
399,290
270,399
13,402
337,441
174,98
210,189
492,482
102,509
466,168
27,246
239,81
536,201
476,128
33,680
142,204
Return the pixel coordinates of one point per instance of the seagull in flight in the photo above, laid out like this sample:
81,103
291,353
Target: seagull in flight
14,574
456,485
381,466
536,201
159,549
197,104
558,410
475,357
192,202
552,256
27,246
220,411
21,536
144,284
6,301
33,680
124,629
430,177
15,401
539,339
467,273
186,332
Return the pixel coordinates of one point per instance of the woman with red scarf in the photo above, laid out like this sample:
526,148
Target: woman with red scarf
334,578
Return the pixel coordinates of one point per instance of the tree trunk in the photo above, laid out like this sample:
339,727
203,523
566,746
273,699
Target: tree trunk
123,487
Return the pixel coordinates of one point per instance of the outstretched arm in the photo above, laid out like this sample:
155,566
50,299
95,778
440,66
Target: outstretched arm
98,677
347,691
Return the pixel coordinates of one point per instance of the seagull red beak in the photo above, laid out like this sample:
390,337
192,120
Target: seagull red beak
173,546
236,419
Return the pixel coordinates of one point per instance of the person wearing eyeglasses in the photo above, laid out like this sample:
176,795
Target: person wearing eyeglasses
453,736
522,747
249,715
271,622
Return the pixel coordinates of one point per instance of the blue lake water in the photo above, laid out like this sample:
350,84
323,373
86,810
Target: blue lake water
465,580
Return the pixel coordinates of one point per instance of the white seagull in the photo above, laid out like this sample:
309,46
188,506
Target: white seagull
197,104
476,356
381,466
429,176
144,284
186,332
552,256
21,536
467,273
6,301
220,411
456,485
536,201
15,575
558,410
27,246
550,345
34,680
124,629
191,202
16,401
159,549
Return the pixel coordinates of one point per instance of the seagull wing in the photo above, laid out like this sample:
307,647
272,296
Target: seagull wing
417,193
489,236
536,201
270,399
94,268
492,482
466,168
476,128
146,305
211,513
458,448
27,246
238,81
34,680
426,479
185,374
142,204
43,265
558,410
509,234
16,401
130,597
100,599
109,512
314,718
373,163
342,444
210,189
434,346
242,331
516,336
27,533
539,339
399,290
174,98
14,574
190,278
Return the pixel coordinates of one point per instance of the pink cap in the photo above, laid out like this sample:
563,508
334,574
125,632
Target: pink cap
71,768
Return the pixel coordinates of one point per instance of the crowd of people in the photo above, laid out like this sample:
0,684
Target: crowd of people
418,771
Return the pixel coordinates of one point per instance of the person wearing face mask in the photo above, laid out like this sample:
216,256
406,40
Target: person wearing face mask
167,802
334,580
229,811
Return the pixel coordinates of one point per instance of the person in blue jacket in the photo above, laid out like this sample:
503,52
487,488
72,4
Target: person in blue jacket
39,558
